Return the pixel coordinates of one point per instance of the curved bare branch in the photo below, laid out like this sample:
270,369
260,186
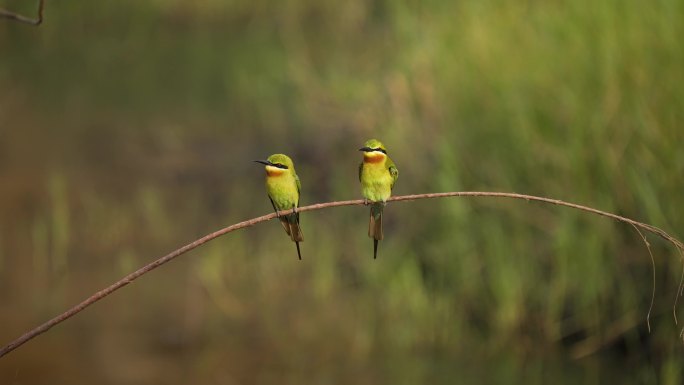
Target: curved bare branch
251,222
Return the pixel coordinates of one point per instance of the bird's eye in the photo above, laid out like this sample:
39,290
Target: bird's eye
280,165
380,149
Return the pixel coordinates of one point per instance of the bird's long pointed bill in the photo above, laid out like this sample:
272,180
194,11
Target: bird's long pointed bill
365,149
262,162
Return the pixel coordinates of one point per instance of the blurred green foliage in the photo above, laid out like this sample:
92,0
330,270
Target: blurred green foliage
127,129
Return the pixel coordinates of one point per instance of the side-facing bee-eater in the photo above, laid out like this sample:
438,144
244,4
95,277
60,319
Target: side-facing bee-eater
377,174
283,187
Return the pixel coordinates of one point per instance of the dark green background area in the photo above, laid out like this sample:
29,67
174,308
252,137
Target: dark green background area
127,129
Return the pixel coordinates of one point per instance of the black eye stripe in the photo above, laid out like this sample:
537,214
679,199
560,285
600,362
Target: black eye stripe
380,149
280,165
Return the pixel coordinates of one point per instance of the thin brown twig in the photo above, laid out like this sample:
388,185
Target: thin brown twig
653,267
251,222
679,288
23,19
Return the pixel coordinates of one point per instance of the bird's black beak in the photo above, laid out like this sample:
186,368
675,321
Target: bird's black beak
263,162
365,149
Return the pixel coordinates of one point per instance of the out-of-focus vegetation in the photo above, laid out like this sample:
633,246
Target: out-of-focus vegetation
128,128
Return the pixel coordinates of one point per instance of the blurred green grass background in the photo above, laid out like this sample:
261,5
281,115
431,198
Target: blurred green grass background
127,129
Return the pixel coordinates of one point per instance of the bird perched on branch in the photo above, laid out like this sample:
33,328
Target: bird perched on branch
377,174
283,187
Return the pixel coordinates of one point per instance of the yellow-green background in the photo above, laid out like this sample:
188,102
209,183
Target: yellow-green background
127,129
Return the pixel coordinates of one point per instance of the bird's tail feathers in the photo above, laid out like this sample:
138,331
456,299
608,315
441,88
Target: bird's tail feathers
375,248
286,225
299,253
291,225
295,232
375,222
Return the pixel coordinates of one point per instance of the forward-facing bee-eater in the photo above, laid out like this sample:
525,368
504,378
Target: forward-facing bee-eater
283,187
377,174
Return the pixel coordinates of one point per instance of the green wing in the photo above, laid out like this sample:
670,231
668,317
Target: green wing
299,187
393,170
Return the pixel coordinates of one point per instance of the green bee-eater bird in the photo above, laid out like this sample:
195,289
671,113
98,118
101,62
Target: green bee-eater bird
283,187
377,174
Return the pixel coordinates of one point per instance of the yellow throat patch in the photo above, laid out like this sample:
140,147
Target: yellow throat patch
274,171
